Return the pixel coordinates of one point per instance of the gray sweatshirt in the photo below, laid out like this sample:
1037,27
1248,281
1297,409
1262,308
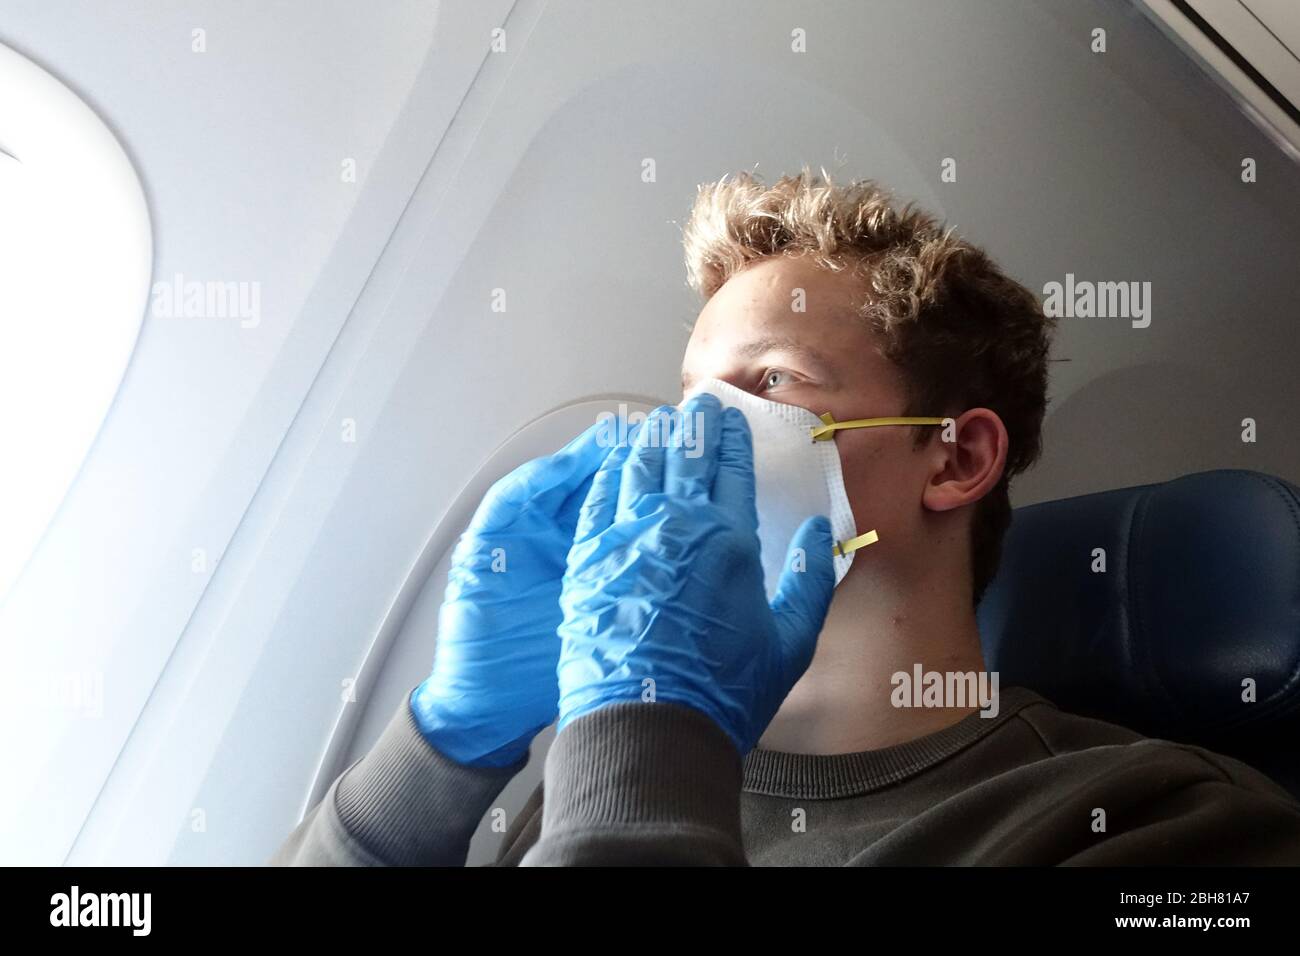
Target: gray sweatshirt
661,784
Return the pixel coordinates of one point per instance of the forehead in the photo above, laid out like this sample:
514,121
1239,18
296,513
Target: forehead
789,302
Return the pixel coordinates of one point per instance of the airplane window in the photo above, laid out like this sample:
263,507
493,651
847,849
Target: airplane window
76,249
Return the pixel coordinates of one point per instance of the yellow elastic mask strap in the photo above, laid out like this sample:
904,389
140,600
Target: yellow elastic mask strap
861,541
826,431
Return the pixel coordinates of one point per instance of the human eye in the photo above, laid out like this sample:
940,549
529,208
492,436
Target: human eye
775,378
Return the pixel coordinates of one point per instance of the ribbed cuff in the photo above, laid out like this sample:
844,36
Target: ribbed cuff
409,805
641,763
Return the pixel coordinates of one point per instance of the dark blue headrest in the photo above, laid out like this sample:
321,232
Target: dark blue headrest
1201,590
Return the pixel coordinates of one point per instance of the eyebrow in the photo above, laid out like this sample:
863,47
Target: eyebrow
769,344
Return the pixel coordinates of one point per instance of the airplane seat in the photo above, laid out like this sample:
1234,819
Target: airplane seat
1172,609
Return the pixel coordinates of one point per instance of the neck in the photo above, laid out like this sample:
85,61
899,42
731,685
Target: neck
874,630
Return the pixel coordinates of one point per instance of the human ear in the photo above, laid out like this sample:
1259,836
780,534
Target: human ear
970,464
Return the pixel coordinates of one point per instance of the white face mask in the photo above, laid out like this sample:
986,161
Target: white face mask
795,477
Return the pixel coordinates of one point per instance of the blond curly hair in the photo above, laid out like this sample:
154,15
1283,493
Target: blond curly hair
964,334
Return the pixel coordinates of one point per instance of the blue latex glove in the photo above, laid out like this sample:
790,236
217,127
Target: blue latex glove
665,583
493,684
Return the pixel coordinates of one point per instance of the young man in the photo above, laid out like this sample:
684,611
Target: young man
698,723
